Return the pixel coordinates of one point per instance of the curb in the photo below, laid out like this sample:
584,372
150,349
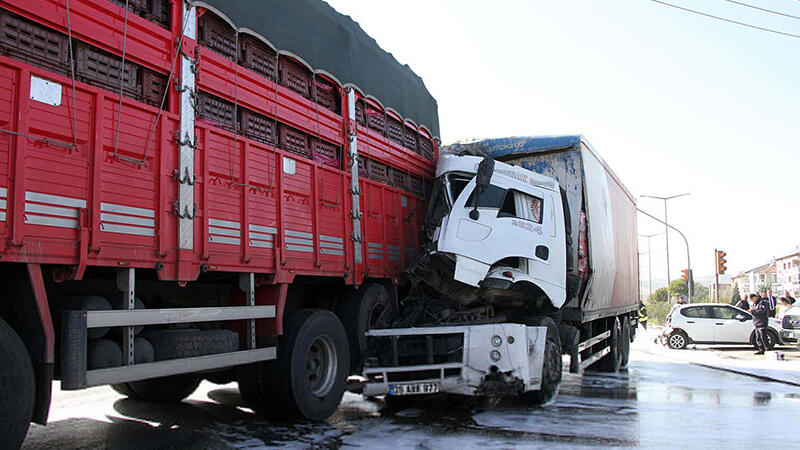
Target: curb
749,374
727,369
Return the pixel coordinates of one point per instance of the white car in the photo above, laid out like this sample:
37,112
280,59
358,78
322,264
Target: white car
790,326
715,323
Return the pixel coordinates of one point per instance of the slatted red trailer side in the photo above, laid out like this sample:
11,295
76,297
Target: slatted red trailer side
154,142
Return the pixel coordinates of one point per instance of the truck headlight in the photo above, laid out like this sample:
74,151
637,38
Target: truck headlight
497,341
495,355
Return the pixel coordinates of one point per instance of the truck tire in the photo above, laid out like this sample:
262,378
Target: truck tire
368,307
625,342
102,354
552,369
18,389
611,361
171,389
185,343
143,353
307,380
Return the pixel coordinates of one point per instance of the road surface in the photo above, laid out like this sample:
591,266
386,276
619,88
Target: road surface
659,402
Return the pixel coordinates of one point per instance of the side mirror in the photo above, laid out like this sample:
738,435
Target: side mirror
741,318
482,181
485,171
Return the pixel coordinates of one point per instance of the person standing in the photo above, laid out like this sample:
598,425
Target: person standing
743,304
772,303
783,305
789,297
760,311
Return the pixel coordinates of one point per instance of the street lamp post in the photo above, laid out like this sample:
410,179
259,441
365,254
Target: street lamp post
686,241
649,265
666,227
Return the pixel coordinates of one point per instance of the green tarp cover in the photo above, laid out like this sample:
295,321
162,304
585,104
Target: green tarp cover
335,43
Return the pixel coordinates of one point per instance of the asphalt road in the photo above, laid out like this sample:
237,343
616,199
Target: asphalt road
657,403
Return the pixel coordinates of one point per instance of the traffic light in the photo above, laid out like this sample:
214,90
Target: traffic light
685,274
721,262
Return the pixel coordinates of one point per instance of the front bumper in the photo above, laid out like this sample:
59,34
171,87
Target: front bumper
480,370
790,336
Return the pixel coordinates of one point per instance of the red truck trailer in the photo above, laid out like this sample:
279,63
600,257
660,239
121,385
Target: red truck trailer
223,190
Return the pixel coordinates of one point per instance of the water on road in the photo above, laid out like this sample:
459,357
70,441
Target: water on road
656,403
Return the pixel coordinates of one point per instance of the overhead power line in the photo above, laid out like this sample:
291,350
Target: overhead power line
771,11
769,30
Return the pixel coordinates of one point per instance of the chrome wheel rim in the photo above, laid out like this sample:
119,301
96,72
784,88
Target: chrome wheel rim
321,365
676,341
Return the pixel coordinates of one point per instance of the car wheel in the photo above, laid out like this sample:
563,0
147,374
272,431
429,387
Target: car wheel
772,339
677,340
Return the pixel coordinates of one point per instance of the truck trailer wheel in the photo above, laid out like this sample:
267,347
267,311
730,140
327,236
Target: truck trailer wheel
551,371
308,378
611,362
366,308
17,389
625,342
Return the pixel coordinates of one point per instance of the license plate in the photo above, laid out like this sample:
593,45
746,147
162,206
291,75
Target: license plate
413,388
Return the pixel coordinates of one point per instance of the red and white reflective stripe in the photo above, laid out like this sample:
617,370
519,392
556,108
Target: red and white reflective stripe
331,245
52,210
224,232
299,241
125,219
261,236
3,203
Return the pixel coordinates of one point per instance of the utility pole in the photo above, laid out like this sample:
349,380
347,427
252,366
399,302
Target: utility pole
649,265
716,278
666,227
686,241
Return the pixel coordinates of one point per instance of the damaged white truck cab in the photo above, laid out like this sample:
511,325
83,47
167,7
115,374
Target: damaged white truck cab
495,230
517,234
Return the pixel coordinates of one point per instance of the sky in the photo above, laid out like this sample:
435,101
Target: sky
674,102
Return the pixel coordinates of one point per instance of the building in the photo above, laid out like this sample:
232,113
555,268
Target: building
757,279
787,270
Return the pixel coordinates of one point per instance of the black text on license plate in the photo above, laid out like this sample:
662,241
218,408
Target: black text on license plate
413,388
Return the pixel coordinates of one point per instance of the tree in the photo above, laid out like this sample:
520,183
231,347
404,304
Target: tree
660,295
658,306
700,293
735,297
681,287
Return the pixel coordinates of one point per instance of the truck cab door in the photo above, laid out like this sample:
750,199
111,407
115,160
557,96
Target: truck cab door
511,224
